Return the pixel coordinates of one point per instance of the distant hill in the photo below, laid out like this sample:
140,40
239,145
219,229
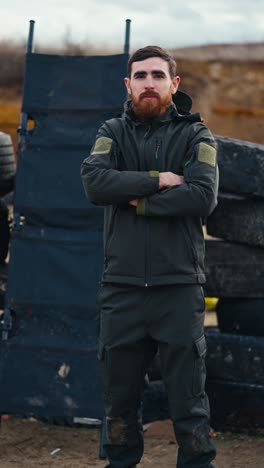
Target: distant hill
226,82
222,52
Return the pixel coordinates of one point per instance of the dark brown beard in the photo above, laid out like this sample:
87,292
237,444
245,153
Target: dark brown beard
150,109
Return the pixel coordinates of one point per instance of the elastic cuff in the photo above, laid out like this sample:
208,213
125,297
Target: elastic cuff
154,173
140,210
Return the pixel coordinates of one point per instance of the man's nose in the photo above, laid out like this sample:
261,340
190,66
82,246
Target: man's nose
149,82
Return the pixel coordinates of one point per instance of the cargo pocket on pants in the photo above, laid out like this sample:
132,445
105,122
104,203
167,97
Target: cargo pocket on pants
101,351
102,358
199,374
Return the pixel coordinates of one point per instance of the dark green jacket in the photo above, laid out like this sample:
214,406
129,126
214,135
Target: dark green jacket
160,241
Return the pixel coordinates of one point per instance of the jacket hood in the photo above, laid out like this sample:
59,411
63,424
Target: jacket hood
183,102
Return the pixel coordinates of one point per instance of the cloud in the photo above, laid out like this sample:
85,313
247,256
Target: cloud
172,23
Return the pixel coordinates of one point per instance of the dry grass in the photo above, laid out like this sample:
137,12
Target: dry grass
12,65
238,110
10,116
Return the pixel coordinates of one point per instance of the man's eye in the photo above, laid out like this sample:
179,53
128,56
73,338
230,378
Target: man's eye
159,75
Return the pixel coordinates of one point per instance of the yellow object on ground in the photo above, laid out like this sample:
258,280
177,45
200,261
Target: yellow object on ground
210,303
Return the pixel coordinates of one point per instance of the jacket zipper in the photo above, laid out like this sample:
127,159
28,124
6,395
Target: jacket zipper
115,165
110,232
193,250
147,226
158,163
158,160
148,232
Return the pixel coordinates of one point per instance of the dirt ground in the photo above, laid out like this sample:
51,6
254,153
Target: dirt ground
28,443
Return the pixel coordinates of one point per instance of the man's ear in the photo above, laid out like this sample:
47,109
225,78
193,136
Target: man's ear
175,84
127,83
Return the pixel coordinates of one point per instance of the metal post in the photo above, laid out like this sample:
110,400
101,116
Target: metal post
102,454
23,125
30,37
127,37
22,129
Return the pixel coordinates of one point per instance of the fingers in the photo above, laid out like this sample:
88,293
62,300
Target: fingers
133,202
169,179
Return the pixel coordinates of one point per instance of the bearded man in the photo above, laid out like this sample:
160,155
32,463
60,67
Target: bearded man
154,169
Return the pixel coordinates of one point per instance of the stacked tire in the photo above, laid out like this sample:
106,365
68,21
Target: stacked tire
7,164
4,231
235,273
7,177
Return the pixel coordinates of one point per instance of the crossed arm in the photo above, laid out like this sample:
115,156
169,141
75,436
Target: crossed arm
166,179
156,193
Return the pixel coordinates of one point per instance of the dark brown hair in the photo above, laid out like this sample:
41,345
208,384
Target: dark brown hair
152,51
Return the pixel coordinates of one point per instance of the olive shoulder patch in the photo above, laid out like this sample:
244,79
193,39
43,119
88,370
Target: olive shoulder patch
207,154
102,146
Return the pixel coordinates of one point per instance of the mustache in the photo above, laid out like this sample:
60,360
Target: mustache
149,94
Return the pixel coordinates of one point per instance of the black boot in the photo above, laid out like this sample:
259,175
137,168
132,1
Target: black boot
196,450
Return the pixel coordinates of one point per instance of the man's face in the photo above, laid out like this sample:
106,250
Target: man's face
151,87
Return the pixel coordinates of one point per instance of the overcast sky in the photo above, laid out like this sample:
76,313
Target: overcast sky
169,23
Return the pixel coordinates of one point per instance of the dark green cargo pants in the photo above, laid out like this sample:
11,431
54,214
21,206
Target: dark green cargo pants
134,323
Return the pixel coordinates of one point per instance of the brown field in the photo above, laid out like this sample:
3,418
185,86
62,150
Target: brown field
27,443
10,116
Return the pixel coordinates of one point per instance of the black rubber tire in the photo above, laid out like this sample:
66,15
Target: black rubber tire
239,166
235,358
236,407
230,357
237,219
233,270
7,164
4,231
241,316
3,283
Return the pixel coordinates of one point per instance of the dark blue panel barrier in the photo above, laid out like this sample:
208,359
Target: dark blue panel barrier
68,100
55,267
48,364
49,381
49,188
76,83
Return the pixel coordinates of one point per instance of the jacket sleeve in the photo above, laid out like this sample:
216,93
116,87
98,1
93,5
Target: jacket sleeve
105,184
198,195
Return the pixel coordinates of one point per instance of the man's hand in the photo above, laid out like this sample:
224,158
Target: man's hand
169,179
166,179
133,202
